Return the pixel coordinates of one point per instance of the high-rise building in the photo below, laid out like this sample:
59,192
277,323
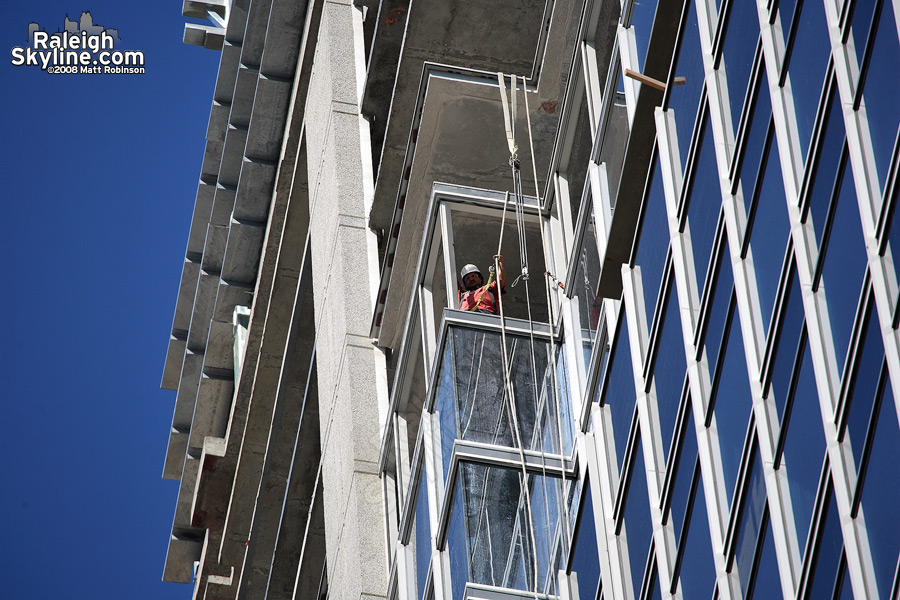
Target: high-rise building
689,393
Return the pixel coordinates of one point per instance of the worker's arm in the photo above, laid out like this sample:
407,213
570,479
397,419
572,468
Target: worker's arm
501,278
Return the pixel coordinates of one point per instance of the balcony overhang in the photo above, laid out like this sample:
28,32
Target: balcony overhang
456,116
480,35
458,138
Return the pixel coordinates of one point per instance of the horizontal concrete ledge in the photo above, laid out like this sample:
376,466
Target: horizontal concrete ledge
207,36
174,354
196,9
180,557
177,448
228,67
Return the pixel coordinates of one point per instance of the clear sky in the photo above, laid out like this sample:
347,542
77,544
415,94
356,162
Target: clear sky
99,176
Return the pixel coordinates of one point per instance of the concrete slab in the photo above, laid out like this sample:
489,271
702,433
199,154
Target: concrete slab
204,300
237,21
269,116
285,30
255,33
228,295
244,90
212,409
218,121
196,9
214,250
212,158
187,391
190,271
202,209
219,358
233,152
175,451
228,68
212,490
242,254
180,557
174,354
223,206
254,191
182,519
208,36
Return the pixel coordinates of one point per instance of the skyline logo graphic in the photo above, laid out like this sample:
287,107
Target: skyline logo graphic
82,47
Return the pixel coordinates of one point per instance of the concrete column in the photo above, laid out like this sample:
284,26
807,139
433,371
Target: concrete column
348,365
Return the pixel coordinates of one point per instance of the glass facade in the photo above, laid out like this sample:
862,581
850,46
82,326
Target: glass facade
720,421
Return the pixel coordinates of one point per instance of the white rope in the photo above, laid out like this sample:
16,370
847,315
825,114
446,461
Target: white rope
556,403
517,436
506,363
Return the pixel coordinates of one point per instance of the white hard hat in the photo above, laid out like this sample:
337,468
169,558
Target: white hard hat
466,270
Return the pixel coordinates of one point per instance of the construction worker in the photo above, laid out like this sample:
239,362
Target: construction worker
478,296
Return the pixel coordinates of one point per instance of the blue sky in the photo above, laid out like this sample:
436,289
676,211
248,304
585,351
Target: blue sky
99,178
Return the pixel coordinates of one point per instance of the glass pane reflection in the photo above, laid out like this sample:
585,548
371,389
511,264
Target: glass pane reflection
472,402
490,539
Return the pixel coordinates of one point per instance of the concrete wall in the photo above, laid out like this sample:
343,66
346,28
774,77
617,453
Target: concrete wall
349,366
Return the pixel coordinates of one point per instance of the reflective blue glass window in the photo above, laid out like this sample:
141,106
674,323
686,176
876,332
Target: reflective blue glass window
828,551
741,34
786,10
618,392
732,402
754,144
882,481
808,60
670,366
864,385
697,574
423,538
684,99
704,202
827,169
785,350
769,230
719,307
642,21
638,527
653,590
684,475
766,583
751,521
585,556
861,23
654,240
804,443
844,268
846,589
881,92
